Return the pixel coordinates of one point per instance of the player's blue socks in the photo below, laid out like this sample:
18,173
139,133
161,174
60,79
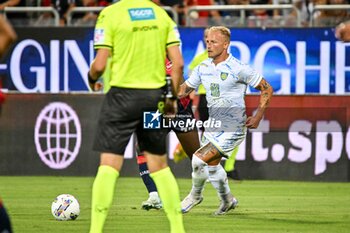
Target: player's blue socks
144,173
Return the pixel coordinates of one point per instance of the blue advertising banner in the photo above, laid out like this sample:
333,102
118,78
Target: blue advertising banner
294,61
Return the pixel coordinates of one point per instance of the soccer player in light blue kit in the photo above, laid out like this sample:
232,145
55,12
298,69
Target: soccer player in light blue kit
225,79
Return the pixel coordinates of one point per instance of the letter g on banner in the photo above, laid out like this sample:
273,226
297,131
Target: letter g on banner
57,135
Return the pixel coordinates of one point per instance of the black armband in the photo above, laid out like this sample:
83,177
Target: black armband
91,80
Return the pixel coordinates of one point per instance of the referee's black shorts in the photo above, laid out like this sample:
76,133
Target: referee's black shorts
122,114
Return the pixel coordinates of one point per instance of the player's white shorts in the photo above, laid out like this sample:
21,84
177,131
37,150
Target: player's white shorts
225,142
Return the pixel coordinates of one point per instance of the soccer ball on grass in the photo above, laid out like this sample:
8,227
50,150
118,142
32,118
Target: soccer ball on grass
65,207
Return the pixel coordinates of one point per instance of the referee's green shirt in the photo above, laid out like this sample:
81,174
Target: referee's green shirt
138,33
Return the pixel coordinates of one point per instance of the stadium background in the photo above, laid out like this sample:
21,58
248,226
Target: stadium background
305,134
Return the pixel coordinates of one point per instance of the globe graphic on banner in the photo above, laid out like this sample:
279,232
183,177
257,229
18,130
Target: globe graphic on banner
57,135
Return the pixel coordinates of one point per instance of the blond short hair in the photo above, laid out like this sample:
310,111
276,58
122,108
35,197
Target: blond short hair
223,30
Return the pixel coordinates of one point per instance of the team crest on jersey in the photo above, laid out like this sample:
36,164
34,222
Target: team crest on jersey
141,14
223,76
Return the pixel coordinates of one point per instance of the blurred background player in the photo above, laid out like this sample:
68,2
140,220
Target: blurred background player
7,37
189,143
225,80
136,87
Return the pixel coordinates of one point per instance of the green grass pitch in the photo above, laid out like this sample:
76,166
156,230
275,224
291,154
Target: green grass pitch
264,206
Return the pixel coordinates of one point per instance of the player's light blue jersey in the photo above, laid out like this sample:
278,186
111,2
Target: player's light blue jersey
225,84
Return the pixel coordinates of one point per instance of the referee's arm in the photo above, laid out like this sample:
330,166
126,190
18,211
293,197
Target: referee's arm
176,58
98,66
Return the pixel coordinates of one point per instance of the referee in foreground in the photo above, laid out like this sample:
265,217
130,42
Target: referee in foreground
136,35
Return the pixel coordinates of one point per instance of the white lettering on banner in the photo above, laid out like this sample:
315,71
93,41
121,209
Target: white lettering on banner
172,144
302,145
323,155
301,67
340,66
200,47
55,63
277,152
15,67
71,52
243,49
323,68
241,153
347,140
260,153
259,63
130,149
244,54
329,144
71,48
61,65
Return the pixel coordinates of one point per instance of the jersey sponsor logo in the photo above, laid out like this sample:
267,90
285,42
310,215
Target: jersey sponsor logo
99,36
141,14
145,28
214,89
223,76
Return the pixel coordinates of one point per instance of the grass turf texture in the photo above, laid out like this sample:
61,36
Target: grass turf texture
264,206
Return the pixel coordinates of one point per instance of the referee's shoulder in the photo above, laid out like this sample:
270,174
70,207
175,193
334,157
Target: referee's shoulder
111,7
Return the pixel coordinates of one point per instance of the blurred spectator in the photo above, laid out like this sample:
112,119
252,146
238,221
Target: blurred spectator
261,13
62,6
65,6
233,18
260,17
284,12
305,7
203,18
331,17
177,5
89,18
15,18
342,31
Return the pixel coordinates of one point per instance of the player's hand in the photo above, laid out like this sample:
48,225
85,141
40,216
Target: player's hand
252,122
92,82
170,107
